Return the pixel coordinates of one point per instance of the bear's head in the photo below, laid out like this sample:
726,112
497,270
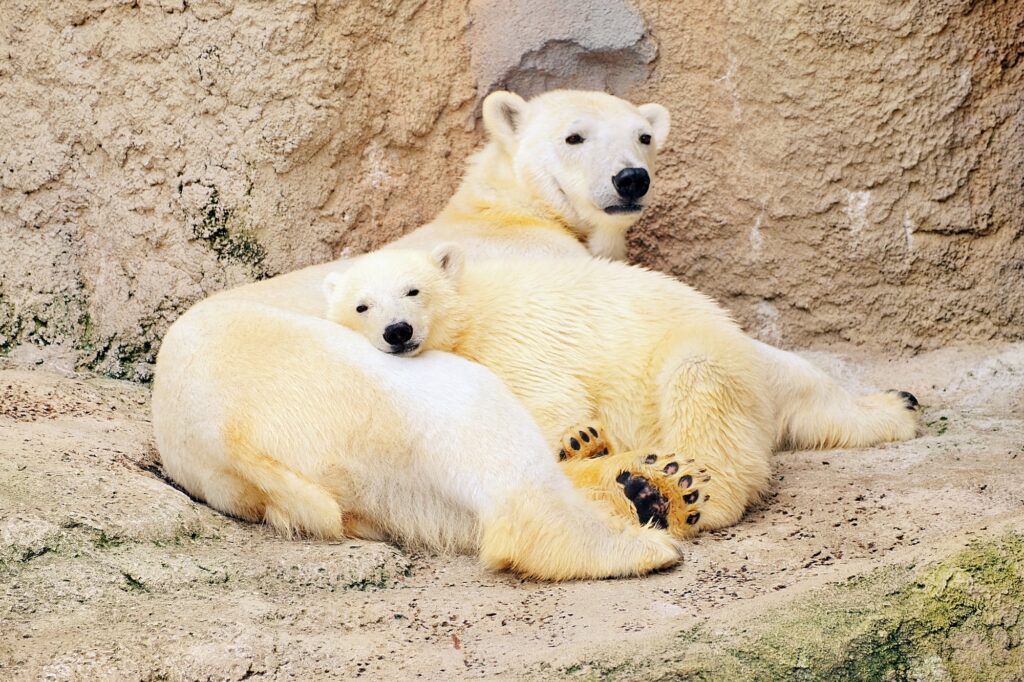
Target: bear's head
403,302
588,156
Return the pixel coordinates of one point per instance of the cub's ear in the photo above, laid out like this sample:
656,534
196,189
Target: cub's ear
660,120
331,282
450,258
504,116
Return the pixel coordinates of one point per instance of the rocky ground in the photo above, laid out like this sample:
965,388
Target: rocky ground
899,562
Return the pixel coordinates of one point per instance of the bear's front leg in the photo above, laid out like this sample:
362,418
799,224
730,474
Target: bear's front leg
661,491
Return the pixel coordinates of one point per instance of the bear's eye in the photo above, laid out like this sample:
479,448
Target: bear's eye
413,292
362,308
645,139
574,139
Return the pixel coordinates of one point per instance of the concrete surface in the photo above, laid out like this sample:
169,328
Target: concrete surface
904,562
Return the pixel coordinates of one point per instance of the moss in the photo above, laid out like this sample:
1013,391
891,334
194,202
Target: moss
133,584
10,326
960,618
382,576
14,556
126,360
599,670
378,581
62,317
187,533
104,541
894,635
122,358
223,230
55,319
87,336
29,553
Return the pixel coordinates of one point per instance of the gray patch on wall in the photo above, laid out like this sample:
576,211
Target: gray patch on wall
533,46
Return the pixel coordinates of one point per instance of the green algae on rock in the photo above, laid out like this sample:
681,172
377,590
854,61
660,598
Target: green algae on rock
957,619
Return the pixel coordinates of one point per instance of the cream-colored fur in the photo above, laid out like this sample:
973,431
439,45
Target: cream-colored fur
269,412
660,365
529,192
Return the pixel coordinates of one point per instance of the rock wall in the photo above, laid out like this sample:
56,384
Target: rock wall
155,152
836,173
845,171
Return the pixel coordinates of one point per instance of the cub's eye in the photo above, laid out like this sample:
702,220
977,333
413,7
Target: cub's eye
413,292
645,139
574,139
361,308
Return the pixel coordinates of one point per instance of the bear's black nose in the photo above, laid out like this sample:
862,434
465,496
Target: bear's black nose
632,183
398,333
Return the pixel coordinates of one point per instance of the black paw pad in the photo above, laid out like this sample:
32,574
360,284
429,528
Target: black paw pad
593,431
909,399
562,455
650,459
691,497
693,518
671,468
649,503
584,436
686,481
574,443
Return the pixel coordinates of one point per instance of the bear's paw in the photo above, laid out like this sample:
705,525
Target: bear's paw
583,442
665,492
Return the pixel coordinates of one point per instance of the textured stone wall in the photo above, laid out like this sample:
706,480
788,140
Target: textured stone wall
155,152
836,171
845,170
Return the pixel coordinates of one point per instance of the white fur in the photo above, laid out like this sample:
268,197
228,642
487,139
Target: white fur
660,365
269,412
530,176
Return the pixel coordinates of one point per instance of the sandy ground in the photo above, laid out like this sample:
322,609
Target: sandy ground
106,571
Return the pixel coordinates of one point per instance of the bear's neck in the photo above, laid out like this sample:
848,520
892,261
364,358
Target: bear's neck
492,195
449,329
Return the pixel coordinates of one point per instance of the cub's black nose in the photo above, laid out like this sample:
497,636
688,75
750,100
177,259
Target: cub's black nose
398,333
632,183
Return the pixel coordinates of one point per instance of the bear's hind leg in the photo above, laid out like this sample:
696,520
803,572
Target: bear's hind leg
553,532
263,489
814,411
711,408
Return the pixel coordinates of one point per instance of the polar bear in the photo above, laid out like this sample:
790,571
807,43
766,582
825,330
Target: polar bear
271,413
663,367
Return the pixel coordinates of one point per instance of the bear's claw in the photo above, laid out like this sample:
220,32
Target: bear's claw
584,441
909,399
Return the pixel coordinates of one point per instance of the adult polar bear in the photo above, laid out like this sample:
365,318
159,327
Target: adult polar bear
269,412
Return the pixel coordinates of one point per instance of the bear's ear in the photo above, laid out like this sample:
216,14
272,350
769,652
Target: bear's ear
504,116
450,258
660,120
331,282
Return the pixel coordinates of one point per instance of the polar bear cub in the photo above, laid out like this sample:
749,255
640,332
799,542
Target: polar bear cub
403,302
661,366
